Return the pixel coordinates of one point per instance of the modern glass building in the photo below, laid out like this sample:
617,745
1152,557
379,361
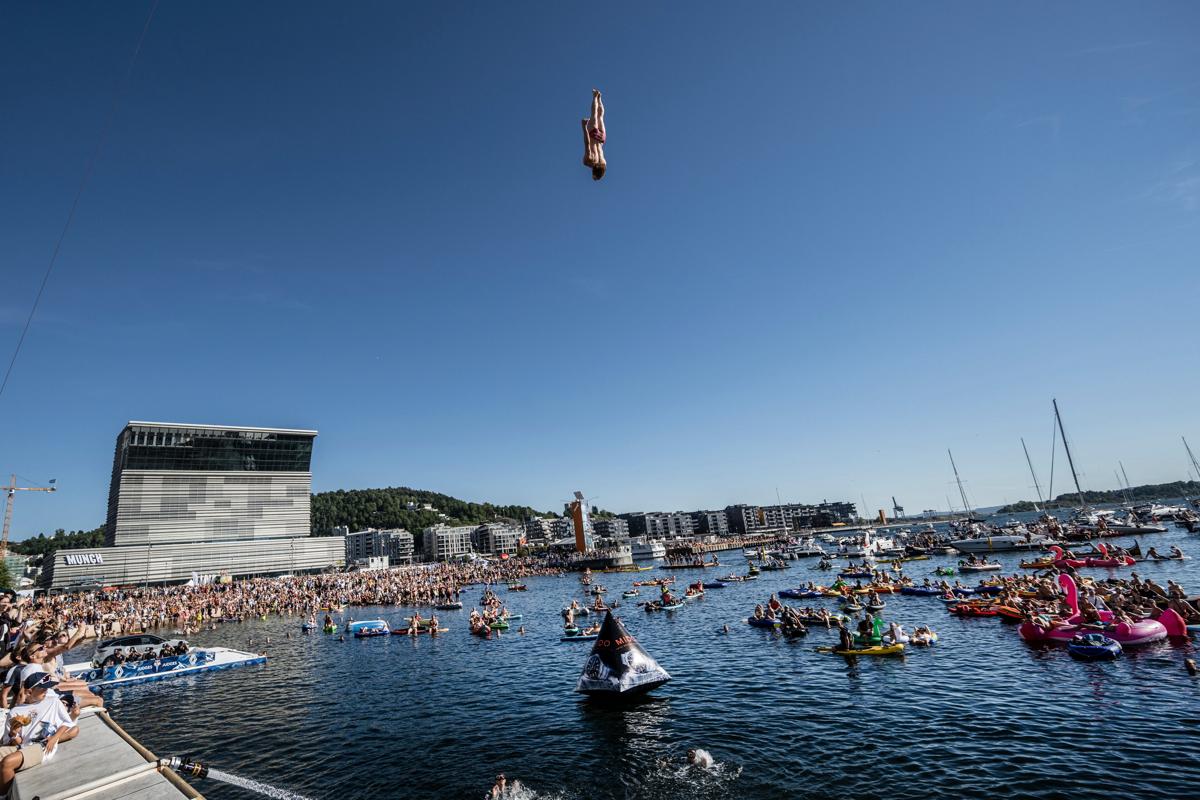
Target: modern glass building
204,483
190,500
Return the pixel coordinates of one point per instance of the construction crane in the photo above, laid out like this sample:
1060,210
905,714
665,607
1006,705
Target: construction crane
11,490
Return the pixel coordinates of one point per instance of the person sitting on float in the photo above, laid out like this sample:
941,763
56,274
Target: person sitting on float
773,603
758,611
1176,552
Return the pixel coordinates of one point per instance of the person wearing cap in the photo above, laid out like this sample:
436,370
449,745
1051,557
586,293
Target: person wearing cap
26,745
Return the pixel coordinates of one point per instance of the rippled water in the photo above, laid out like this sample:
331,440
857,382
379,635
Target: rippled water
981,714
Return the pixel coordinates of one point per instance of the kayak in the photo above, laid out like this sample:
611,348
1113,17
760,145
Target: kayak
878,650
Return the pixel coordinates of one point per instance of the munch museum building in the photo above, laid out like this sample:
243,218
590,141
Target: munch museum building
202,500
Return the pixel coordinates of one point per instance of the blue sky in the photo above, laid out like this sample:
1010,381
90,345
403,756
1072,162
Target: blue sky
832,242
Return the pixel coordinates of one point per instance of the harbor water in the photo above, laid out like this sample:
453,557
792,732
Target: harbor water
981,714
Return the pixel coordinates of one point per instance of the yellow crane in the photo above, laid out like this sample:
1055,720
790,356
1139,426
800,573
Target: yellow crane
11,490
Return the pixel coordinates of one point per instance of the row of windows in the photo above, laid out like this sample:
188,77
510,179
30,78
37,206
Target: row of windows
210,451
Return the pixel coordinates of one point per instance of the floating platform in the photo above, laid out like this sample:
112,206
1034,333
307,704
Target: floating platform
207,659
102,763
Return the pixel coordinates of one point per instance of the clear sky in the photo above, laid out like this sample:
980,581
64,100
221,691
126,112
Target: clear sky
833,241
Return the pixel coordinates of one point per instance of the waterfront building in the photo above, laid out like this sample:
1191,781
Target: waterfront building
191,499
710,523
498,538
394,545
539,529
611,528
746,519
659,525
443,542
561,528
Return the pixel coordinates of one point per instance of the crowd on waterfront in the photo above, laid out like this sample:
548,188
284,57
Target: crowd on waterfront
192,608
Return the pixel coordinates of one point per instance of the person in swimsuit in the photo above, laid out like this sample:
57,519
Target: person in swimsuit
594,138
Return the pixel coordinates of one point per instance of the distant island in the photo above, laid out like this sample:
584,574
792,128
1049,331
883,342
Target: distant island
1136,494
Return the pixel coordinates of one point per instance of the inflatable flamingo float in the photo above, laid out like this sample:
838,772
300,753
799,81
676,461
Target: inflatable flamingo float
1148,630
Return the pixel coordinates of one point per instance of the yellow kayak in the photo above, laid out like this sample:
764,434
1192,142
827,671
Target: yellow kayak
877,650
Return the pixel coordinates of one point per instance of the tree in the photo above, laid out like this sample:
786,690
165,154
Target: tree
6,581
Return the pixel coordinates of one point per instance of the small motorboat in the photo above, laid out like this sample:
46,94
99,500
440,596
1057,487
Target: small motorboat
980,567
630,593
714,585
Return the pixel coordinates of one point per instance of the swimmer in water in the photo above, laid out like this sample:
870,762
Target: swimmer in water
700,758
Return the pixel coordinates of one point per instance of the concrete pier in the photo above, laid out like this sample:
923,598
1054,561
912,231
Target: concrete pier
102,763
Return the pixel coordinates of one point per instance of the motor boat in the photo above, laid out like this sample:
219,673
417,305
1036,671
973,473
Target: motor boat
645,549
1001,543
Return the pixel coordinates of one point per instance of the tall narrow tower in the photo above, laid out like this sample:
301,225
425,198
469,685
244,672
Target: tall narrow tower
583,530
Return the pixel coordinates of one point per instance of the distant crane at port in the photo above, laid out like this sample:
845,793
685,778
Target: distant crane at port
897,509
11,491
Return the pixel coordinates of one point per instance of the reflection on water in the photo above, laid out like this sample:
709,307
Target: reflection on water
980,714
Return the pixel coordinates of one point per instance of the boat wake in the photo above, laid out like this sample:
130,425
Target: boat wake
254,786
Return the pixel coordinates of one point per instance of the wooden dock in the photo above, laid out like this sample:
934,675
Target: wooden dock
102,763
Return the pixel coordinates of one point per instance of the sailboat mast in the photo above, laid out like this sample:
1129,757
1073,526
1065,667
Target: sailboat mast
1070,460
1192,457
1127,486
1029,461
961,491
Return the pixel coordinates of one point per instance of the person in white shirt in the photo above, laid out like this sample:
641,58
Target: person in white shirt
33,730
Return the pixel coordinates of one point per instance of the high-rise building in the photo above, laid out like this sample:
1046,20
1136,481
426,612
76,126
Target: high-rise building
189,500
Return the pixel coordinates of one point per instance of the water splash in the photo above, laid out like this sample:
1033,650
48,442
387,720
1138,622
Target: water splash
254,786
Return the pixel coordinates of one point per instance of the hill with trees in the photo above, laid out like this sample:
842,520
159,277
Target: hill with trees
403,507
38,546
1135,494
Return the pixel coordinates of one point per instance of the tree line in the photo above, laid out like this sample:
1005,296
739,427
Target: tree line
1135,494
402,507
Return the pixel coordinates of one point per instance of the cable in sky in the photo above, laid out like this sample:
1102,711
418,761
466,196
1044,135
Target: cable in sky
87,174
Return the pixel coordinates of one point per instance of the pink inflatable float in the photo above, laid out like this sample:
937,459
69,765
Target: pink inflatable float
1143,632
1060,559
